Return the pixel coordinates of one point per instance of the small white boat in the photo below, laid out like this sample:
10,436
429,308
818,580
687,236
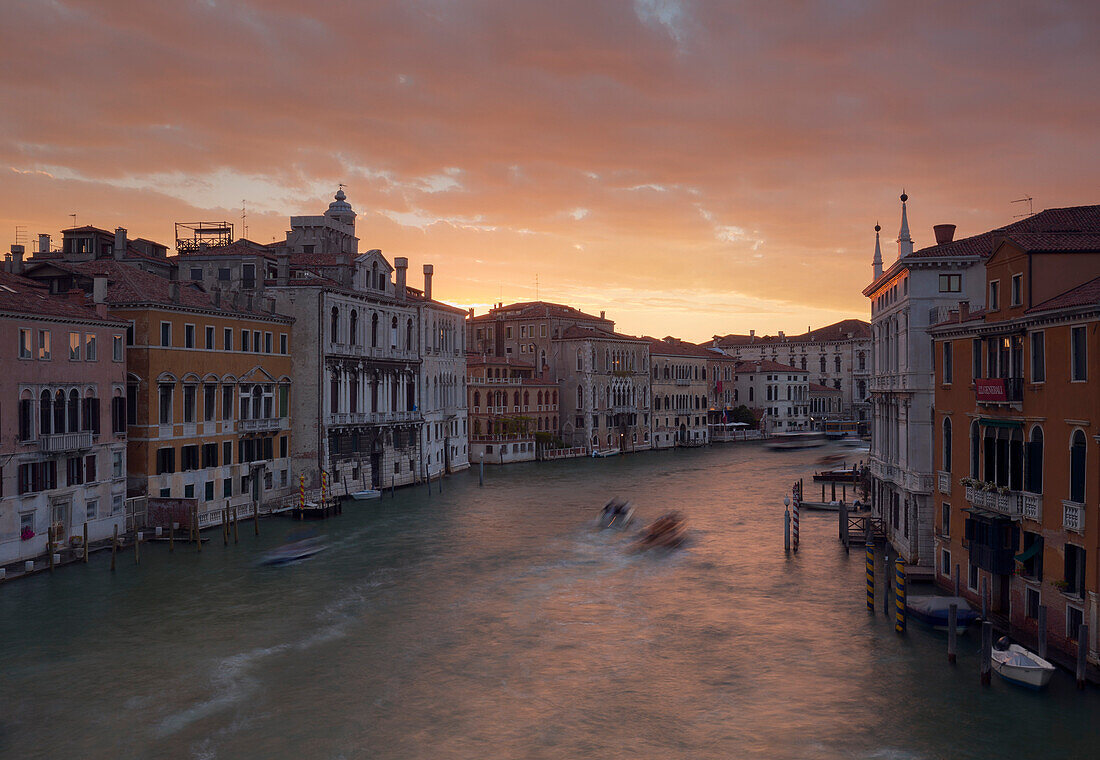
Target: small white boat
598,454
365,494
791,441
1022,667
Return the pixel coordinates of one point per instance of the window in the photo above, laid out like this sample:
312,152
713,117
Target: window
1031,603
227,452
227,487
508,333
994,295
166,460
284,446
244,340
1074,618
945,524
196,273
116,464
948,370
227,402
44,345
248,276
1074,570
1033,551
91,510
189,491
189,397
25,351
166,333
223,274
1033,454
267,343
189,336
118,353
1077,467
972,578
950,283
282,343
256,341
74,346
90,352
947,444
227,339
118,414
945,563
209,335
1078,354
189,458
91,471
208,490
209,402
1017,289
165,396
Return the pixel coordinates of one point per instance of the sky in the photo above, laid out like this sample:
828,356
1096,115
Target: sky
692,168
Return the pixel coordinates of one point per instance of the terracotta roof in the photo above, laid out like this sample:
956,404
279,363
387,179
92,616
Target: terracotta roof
1042,242
1073,219
675,347
577,332
830,333
19,295
535,310
765,365
1082,295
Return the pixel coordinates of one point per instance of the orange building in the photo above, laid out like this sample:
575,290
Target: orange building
1017,423
208,387
510,409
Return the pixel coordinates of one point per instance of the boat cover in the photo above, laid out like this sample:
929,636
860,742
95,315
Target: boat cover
933,604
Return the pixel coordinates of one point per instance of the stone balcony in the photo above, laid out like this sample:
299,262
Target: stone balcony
1073,516
943,482
261,425
61,442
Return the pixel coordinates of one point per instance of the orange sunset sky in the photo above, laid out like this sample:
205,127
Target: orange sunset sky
691,167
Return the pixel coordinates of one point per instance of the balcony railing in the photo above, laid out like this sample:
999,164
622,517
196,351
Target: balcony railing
999,390
261,425
1032,506
943,482
1073,516
59,442
1007,504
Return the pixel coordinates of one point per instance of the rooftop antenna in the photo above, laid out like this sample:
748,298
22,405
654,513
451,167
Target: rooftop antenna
20,234
74,220
244,218
1030,211
536,286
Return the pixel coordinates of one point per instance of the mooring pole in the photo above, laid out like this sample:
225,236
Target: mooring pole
794,524
870,567
888,584
956,580
952,631
85,542
987,651
1082,653
786,524
985,609
114,547
1042,624
481,471
899,595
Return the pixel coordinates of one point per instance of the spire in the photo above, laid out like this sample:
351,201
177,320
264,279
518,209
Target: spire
876,262
905,243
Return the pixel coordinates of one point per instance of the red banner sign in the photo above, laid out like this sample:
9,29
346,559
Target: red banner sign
991,389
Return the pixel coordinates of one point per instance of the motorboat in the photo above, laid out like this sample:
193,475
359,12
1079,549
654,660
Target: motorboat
600,454
615,514
667,531
823,506
844,475
365,494
1021,666
933,611
295,551
792,441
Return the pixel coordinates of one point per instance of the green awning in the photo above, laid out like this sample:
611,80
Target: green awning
1031,551
995,422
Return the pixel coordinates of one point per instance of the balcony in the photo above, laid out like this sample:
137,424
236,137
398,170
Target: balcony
1073,516
1032,506
683,381
943,482
262,425
1007,504
61,442
999,390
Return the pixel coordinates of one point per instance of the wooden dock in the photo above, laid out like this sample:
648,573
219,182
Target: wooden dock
862,527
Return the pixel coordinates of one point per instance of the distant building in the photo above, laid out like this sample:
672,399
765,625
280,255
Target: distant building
778,394
1016,426
526,331
825,404
837,356
679,386
63,425
511,409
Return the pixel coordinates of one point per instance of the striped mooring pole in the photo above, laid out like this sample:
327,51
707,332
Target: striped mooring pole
301,492
870,576
794,520
324,487
899,595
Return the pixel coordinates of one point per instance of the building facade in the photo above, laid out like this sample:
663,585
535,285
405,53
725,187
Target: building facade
1017,404
778,394
442,380
62,395
512,409
678,379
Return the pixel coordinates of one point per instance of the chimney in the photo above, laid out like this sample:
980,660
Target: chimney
401,267
428,271
602,313
282,273
781,335
43,243
120,243
945,233
16,259
471,312
752,335
99,288
964,311
998,238
174,290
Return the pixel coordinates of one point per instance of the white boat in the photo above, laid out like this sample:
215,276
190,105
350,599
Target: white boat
598,454
790,441
1020,666
365,494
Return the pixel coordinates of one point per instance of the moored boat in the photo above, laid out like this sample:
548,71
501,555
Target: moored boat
933,611
1020,666
598,454
844,475
365,494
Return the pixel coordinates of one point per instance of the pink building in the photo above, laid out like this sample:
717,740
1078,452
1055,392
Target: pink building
62,418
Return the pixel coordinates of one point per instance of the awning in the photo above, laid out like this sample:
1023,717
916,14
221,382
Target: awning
1031,551
1000,423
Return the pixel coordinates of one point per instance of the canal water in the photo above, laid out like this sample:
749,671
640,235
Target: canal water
496,623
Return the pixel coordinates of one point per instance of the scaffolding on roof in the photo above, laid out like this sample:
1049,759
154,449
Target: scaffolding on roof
195,236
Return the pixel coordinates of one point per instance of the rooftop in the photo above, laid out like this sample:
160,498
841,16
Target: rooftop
19,295
535,310
837,331
578,332
1085,294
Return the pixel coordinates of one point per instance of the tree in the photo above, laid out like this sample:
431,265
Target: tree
744,414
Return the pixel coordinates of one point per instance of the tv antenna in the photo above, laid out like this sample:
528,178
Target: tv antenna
1030,211
536,286
244,218
74,220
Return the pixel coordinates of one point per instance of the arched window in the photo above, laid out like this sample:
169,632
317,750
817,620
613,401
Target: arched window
836,363
44,417
822,363
374,330
409,335
353,328
74,412
477,398
59,412
393,332
555,401
334,325
1077,460
477,427
975,449
515,398
526,398
580,398
376,281
540,398
750,393
803,362
862,361
947,444
1034,465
